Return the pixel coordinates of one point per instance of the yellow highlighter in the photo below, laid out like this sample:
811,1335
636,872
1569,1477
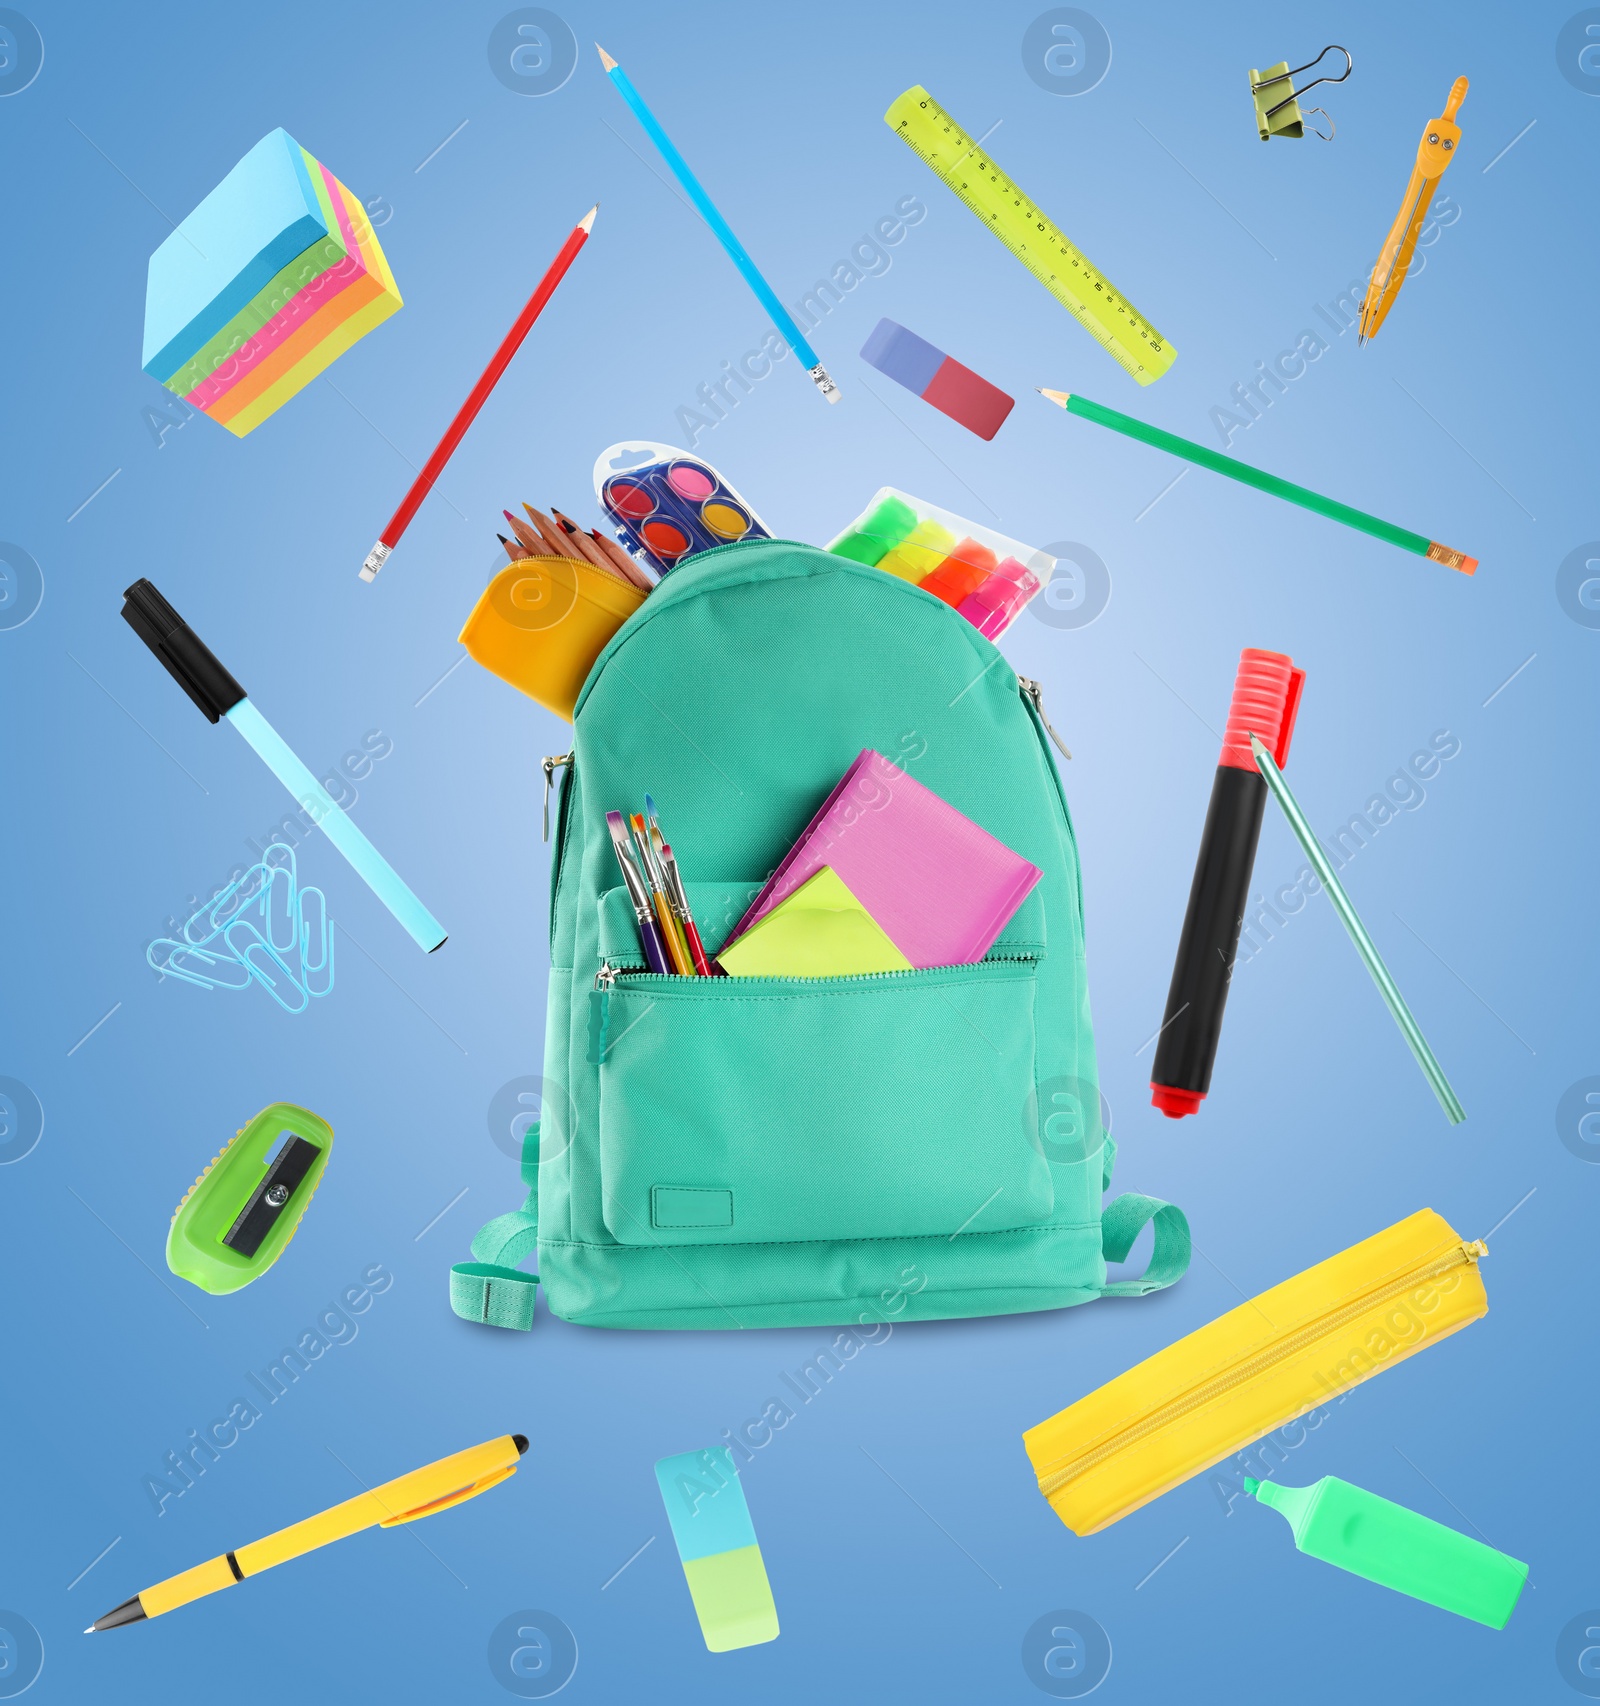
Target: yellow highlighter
448,1482
916,557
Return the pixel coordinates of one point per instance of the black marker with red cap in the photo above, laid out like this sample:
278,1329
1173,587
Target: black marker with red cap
1266,696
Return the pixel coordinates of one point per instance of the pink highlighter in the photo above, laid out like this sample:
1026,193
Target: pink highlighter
990,608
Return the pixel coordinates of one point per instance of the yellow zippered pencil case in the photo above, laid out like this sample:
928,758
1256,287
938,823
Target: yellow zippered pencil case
541,623
1252,1370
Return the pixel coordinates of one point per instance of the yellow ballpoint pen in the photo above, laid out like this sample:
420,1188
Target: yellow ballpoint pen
1435,151
436,1487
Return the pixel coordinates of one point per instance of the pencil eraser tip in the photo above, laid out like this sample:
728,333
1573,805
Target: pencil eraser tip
824,382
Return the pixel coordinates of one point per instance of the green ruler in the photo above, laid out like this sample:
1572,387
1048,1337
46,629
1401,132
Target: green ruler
918,120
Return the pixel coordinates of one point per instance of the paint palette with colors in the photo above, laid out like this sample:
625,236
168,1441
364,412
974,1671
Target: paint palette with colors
668,505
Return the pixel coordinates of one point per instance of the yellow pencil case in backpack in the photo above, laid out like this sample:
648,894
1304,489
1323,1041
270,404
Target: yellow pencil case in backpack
1256,1368
541,623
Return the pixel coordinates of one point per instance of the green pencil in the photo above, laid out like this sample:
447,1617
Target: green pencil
1365,946
1286,489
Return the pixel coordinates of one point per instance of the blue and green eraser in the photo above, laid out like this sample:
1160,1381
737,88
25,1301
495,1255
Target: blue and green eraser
717,1542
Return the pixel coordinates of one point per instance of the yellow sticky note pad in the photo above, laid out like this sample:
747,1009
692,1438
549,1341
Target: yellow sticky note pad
821,930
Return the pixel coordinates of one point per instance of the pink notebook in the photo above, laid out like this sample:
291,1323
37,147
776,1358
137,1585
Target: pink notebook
941,888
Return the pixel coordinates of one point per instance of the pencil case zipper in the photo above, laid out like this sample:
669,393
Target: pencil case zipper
1054,1476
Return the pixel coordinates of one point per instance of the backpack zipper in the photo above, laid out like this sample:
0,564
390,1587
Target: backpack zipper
608,974
1033,691
1065,1470
551,766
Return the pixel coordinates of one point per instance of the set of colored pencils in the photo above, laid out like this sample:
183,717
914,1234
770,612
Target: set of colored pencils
557,535
667,931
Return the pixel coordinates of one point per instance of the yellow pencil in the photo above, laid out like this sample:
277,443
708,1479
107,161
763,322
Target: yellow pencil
424,1491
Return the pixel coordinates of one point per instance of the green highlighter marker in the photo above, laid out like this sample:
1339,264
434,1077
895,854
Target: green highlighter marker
1397,1548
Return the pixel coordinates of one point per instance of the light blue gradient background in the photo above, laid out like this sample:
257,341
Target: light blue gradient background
1466,419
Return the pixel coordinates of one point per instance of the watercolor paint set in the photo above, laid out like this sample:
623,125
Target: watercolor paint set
667,505
982,574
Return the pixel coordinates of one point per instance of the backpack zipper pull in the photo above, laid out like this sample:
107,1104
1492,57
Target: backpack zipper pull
1034,692
606,976
551,765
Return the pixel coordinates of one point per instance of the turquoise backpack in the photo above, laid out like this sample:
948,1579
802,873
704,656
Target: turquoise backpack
782,1152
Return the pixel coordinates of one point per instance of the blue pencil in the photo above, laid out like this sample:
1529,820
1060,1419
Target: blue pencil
781,317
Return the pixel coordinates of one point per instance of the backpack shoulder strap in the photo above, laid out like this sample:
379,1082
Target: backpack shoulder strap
493,1288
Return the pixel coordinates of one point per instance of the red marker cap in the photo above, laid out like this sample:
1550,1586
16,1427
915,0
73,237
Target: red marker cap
1175,1103
1266,698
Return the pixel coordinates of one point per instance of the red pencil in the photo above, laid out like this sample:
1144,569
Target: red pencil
467,413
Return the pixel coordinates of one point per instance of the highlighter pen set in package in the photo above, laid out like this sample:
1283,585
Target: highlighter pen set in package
981,574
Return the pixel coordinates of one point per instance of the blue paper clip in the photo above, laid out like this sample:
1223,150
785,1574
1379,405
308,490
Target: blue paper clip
279,903
267,892
236,898
177,963
324,936
256,949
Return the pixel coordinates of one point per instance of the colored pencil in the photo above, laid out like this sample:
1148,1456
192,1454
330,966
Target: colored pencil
555,540
467,413
589,552
593,546
513,550
526,536
624,562
581,542
707,209
1370,957
1263,482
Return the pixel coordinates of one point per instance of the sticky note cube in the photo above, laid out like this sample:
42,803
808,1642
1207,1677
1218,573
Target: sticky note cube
272,277
937,378
717,1543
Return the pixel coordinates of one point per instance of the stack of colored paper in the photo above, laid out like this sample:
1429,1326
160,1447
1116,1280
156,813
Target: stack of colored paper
272,277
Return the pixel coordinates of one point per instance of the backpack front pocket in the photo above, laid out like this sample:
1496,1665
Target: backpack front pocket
763,1110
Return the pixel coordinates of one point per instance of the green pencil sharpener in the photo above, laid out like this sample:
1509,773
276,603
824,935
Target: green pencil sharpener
236,1219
